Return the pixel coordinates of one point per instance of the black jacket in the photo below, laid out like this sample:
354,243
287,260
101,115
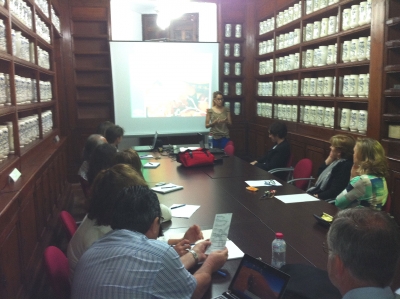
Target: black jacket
340,178
276,158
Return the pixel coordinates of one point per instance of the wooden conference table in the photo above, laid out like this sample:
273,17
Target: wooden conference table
221,188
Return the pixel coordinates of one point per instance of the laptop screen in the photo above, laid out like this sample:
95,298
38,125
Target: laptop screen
154,140
255,279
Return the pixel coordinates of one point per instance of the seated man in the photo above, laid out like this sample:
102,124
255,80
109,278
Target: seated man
364,250
114,135
129,262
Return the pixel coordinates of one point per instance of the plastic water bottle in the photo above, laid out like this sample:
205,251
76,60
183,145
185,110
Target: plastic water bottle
210,141
278,251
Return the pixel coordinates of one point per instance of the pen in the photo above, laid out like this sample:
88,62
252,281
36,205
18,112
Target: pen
168,187
223,274
178,206
150,163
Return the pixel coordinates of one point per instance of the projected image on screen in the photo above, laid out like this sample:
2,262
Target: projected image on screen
165,99
164,87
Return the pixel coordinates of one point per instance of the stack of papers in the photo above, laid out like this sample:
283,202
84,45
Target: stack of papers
183,211
263,183
296,198
234,252
167,188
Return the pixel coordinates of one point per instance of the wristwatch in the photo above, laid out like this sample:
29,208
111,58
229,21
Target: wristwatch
195,256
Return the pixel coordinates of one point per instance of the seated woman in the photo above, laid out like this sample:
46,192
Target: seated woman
334,174
130,157
96,223
367,184
279,155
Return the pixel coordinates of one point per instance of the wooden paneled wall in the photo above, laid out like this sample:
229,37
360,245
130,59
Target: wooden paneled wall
29,218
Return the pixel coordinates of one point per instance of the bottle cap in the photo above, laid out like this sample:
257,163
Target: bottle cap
279,235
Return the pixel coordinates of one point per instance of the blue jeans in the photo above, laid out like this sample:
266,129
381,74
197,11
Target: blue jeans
220,143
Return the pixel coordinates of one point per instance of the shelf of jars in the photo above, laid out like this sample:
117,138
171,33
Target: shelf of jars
29,132
26,106
233,58
352,120
310,73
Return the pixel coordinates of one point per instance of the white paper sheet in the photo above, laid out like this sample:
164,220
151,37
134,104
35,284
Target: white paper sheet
219,235
234,252
183,212
151,165
167,188
296,198
146,157
263,183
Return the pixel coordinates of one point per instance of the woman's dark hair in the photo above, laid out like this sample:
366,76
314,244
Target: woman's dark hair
101,158
130,157
136,209
102,128
278,129
114,132
106,186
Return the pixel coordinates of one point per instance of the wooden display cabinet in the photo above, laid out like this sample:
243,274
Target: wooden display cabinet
233,94
27,69
335,70
27,214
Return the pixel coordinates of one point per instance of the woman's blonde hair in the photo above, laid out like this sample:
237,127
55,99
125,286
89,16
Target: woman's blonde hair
371,156
345,144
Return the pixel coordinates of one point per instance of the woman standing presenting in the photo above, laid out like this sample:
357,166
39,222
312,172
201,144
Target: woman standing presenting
218,118
367,185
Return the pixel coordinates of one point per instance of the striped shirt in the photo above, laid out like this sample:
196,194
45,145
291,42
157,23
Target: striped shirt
125,264
364,190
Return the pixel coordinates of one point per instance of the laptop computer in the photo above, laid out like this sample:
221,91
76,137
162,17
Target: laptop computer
256,279
146,148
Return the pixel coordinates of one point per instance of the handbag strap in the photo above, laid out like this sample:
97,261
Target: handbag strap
204,150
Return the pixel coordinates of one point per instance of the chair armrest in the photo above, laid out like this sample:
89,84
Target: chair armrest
281,169
302,179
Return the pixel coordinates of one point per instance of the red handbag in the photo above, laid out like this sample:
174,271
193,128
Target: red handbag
198,157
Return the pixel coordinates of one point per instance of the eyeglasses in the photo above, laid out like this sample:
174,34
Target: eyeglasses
325,248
